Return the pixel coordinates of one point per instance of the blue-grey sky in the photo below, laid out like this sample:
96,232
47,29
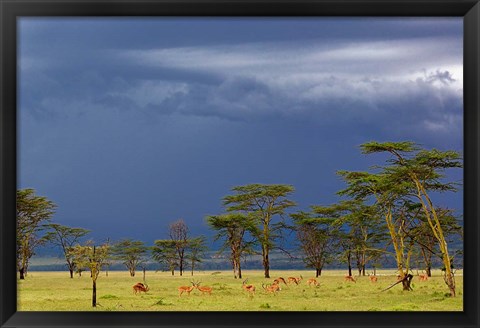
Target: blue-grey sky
128,124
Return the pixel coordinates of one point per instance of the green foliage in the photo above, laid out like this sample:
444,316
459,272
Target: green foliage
165,253
411,175
232,228
131,252
66,238
196,250
317,235
32,214
262,202
89,257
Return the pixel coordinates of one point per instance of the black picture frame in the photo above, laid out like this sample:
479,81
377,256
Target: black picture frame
10,10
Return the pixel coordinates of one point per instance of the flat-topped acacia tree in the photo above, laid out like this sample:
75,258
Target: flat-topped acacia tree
263,202
33,213
132,253
66,237
232,228
317,237
411,172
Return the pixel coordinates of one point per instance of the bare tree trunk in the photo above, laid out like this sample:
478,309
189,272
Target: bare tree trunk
266,262
349,263
406,282
71,273
22,273
94,293
428,270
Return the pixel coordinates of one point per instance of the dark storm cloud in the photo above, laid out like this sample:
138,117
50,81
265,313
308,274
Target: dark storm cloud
149,120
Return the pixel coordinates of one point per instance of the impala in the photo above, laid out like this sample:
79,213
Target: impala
273,288
373,278
279,280
423,277
350,278
295,280
204,289
313,281
249,288
139,287
186,289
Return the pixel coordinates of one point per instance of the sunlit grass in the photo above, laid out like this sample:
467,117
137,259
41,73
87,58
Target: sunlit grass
55,291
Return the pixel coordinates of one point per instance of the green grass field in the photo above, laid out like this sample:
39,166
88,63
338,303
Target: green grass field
55,291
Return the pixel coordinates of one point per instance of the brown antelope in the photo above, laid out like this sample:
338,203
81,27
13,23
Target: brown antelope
295,280
273,288
139,287
313,281
279,280
204,289
350,278
423,277
373,278
249,288
187,289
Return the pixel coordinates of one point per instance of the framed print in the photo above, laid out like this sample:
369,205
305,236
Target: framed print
239,163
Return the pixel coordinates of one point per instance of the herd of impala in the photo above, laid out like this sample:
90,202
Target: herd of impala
272,288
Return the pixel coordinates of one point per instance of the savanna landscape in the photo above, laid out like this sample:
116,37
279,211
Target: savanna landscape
386,215
334,293
218,164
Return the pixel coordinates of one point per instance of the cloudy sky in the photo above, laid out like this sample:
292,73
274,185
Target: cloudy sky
128,124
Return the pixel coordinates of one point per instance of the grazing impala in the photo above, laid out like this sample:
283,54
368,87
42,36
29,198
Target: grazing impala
273,288
249,288
139,287
204,289
373,278
295,280
186,289
279,280
350,278
313,281
423,277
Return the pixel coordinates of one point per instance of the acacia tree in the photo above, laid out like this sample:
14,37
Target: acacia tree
131,252
195,250
65,237
388,194
317,238
90,257
366,232
165,252
263,203
179,235
232,227
422,235
425,170
358,231
32,213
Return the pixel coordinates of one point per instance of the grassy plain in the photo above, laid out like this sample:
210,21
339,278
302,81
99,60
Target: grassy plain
55,291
